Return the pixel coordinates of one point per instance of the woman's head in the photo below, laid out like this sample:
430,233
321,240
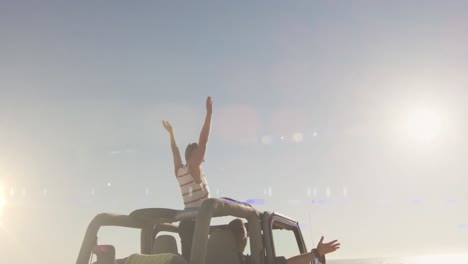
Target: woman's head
189,150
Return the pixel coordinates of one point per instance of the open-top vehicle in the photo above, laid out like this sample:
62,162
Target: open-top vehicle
212,244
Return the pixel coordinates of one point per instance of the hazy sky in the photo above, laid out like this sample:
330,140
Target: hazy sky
360,106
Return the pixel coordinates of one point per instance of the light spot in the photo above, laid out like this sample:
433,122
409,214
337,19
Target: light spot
328,192
109,184
12,192
452,202
298,137
255,201
115,152
315,134
44,192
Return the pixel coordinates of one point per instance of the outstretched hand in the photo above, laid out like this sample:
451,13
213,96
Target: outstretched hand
167,126
325,248
209,105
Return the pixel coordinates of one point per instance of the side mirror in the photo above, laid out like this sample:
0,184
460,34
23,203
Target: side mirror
105,254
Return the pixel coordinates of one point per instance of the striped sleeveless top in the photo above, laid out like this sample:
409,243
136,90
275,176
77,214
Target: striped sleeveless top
193,194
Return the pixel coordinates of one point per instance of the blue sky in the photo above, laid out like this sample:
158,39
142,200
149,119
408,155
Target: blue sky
362,103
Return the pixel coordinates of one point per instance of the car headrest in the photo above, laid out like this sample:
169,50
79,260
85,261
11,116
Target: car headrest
222,248
165,244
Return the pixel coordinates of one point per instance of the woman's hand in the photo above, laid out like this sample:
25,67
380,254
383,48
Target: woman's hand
167,126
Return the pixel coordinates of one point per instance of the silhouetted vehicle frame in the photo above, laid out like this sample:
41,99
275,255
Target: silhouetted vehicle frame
151,221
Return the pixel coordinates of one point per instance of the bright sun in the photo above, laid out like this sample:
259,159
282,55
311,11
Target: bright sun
424,125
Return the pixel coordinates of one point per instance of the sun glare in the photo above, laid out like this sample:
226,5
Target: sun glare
2,200
424,125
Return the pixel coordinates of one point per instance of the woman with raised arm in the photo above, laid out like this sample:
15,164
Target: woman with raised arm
192,181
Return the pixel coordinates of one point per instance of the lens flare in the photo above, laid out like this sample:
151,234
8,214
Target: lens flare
3,201
424,125
298,137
